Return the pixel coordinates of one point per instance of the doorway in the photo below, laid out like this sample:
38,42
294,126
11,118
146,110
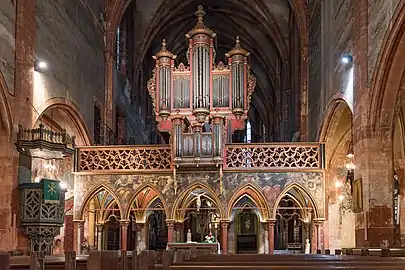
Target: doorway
157,230
246,230
290,228
113,234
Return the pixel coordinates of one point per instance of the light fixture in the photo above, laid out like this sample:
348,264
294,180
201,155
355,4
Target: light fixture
338,184
63,185
346,59
350,165
40,65
341,197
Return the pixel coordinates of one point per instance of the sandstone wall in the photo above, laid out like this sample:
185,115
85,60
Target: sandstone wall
70,40
7,43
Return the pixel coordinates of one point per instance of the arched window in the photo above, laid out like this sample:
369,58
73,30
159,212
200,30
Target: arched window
248,137
118,48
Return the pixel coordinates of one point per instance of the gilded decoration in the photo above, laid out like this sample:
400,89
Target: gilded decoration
274,156
271,185
298,156
124,159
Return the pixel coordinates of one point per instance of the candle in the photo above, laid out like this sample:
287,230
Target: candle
209,225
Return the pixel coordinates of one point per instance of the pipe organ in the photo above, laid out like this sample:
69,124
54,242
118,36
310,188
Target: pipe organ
201,103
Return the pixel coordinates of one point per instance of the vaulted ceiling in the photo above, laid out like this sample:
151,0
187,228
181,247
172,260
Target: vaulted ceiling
262,25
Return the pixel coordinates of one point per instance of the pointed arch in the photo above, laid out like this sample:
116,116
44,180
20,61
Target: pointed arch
245,202
74,114
150,195
93,193
253,192
334,110
182,201
303,192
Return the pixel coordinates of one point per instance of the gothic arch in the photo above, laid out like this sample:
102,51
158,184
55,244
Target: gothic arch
303,191
182,201
90,196
151,197
388,84
5,113
334,109
73,113
257,197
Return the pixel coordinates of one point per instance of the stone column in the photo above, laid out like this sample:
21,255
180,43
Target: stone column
401,181
91,221
170,229
265,237
372,159
124,234
99,237
79,227
178,228
224,226
319,234
315,237
140,237
271,235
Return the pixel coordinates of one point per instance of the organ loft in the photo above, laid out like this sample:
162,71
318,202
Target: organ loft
201,103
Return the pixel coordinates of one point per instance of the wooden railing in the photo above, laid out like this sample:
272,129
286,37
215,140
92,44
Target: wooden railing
46,135
123,158
274,156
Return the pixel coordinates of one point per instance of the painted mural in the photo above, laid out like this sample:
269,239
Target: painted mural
56,169
124,187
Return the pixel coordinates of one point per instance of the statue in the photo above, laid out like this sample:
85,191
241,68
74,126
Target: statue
189,236
307,246
198,199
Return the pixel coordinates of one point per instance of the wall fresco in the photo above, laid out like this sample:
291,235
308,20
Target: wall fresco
271,185
56,169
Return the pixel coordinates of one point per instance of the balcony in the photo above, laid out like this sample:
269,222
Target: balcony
267,157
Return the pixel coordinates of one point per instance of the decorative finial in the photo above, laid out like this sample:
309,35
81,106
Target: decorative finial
237,42
200,13
164,45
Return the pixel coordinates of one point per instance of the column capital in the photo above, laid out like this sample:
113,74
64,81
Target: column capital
139,226
170,223
272,222
224,224
319,221
78,221
178,225
124,223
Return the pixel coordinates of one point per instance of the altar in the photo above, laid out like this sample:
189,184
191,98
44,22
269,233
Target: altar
194,247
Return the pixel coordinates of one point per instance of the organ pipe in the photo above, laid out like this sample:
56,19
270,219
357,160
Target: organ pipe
237,58
164,68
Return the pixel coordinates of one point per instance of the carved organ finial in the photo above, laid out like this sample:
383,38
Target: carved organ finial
163,45
200,13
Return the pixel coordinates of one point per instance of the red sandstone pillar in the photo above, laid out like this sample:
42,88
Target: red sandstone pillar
271,236
69,234
315,237
78,226
224,226
124,234
170,229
